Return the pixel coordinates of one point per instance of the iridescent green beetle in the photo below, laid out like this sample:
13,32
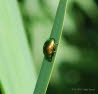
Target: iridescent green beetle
49,49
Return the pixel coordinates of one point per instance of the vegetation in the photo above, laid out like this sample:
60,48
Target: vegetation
47,66
25,25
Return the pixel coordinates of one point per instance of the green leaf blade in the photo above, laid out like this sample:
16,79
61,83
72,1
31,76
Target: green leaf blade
17,73
47,67
59,20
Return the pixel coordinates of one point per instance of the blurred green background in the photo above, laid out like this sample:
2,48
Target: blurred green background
76,67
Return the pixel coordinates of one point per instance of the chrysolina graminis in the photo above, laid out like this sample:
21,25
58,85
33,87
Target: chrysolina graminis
49,49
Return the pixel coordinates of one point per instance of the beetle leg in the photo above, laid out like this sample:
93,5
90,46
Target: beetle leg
50,58
54,51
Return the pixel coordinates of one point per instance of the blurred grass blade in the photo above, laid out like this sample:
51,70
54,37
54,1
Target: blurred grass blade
1,89
46,69
17,73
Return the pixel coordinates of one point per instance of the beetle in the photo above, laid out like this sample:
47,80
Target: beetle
49,49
